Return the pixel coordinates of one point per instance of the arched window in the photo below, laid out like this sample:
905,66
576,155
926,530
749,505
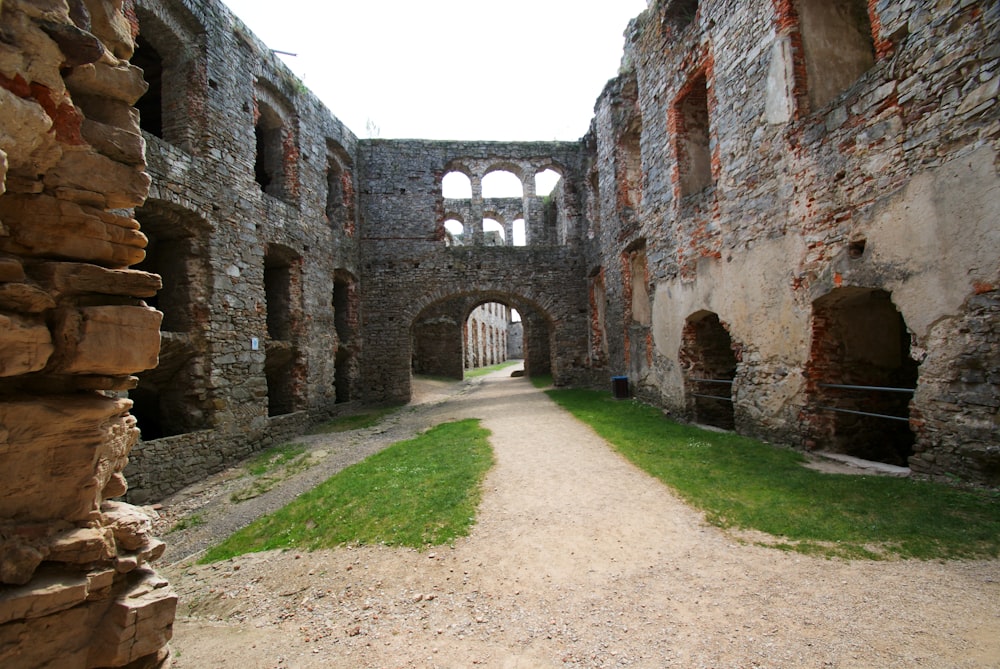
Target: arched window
502,184
456,186
493,233
454,232
545,182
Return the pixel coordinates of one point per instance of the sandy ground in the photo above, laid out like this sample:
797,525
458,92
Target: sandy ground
577,559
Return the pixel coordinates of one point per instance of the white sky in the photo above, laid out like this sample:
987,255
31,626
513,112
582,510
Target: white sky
451,69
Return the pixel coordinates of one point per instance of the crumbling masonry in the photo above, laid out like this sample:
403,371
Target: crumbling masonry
783,221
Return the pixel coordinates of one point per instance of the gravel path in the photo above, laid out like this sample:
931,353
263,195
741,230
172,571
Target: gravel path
577,559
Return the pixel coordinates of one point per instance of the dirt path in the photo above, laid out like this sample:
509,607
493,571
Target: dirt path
578,559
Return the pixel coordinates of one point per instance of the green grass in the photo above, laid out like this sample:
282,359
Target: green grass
541,380
483,371
271,467
353,422
194,520
275,457
744,484
416,493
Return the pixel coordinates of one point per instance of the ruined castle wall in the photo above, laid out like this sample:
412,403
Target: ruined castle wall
758,196
408,267
266,238
78,591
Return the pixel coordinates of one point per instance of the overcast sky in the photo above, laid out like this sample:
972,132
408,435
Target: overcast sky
450,69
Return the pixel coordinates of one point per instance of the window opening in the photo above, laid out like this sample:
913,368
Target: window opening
546,181
502,184
493,232
150,105
269,166
694,158
837,45
456,186
630,170
520,234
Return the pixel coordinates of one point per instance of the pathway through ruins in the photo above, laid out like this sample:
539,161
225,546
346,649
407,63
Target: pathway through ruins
578,559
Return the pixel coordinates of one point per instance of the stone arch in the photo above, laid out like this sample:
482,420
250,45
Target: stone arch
860,376
514,167
492,175
709,363
438,336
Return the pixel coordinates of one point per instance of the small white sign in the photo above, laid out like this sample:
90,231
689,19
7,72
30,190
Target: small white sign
254,344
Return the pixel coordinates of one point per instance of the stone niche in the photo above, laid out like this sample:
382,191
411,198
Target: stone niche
77,589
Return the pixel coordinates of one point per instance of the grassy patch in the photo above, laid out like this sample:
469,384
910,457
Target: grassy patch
541,380
194,520
271,467
353,422
419,492
744,484
483,371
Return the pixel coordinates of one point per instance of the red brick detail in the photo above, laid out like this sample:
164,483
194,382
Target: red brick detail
883,47
347,188
290,159
786,22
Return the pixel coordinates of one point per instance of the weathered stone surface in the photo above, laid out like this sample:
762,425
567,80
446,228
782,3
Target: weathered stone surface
25,345
53,590
11,269
48,227
24,298
80,279
119,145
131,526
82,545
109,340
19,558
25,137
62,445
78,46
74,435
110,78
120,186
138,623
108,23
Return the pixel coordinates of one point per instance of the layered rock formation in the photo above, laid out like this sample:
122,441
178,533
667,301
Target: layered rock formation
77,589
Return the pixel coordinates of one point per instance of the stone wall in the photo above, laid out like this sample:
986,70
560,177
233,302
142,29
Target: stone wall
78,591
252,218
412,276
758,182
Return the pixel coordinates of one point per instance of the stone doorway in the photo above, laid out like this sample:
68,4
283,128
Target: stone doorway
861,376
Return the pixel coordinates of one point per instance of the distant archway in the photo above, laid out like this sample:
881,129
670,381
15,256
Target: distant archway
447,336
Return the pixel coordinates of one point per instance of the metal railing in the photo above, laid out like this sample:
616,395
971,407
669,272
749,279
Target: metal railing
883,389
713,397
